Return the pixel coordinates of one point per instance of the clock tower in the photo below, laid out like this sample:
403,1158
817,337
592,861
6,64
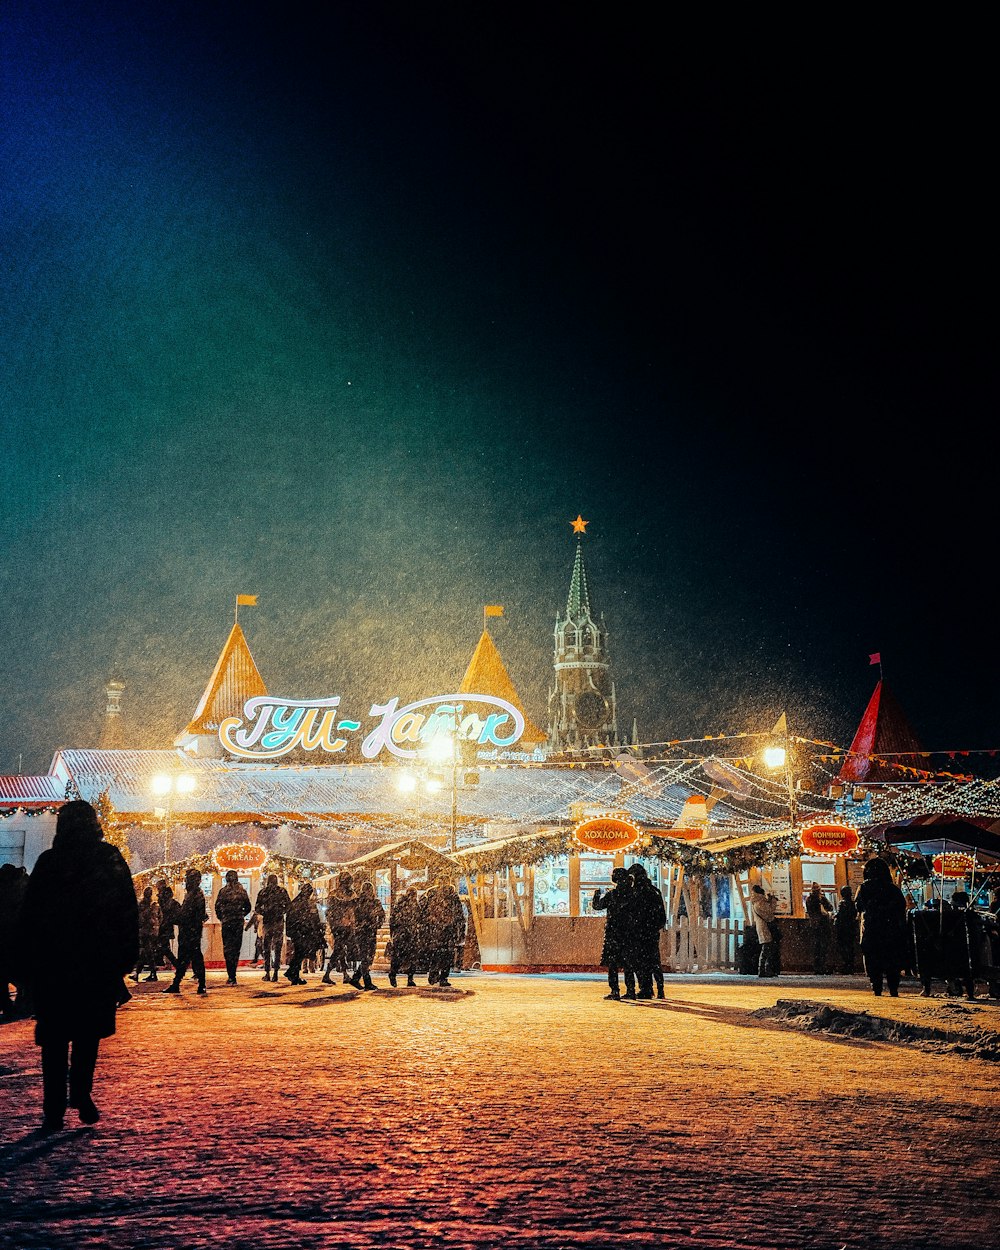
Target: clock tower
582,706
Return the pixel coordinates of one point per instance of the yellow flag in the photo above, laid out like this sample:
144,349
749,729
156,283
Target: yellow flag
246,601
493,609
781,726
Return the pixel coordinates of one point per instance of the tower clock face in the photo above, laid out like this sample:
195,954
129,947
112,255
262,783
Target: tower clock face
590,709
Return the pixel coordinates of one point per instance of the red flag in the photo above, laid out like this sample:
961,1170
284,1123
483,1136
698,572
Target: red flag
875,658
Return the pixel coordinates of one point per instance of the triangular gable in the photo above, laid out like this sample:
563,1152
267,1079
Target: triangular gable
234,680
884,731
487,674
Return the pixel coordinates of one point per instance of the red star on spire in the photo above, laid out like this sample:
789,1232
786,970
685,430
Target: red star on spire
579,525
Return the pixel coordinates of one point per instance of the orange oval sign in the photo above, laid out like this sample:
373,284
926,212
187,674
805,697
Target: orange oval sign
829,838
607,833
241,856
953,864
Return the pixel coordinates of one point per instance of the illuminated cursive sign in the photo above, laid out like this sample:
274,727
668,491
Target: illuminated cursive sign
607,834
272,726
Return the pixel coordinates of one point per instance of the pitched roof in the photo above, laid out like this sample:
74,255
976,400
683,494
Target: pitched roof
883,731
487,674
578,601
234,680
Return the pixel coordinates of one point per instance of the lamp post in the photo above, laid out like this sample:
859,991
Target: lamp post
780,756
165,786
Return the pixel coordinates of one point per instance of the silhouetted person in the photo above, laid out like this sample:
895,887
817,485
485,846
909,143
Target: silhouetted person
81,886
765,911
882,908
964,954
305,931
13,887
341,916
648,918
149,935
272,905
445,919
818,918
404,938
231,906
369,915
170,912
190,922
845,931
616,953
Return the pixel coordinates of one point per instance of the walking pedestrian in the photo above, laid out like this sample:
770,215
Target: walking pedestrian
882,909
305,931
403,937
81,885
445,918
231,905
369,916
648,918
272,905
170,913
149,936
819,919
763,906
190,921
341,916
845,930
616,953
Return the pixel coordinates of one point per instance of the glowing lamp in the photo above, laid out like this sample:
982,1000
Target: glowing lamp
774,757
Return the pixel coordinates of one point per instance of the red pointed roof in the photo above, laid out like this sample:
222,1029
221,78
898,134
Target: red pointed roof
234,680
883,731
487,674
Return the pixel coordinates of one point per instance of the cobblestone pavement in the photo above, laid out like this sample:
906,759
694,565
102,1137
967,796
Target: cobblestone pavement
512,1112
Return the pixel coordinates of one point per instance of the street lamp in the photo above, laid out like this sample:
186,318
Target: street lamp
166,785
780,756
444,749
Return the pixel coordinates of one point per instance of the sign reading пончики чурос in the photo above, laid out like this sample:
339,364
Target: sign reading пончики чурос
829,838
608,834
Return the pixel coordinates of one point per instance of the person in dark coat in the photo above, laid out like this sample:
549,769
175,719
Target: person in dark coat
190,922
305,931
881,905
648,918
231,906
149,936
369,917
819,921
13,887
272,905
445,919
403,937
170,913
617,951
81,886
341,916
845,931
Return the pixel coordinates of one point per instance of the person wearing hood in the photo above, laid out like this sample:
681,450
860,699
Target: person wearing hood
231,906
882,908
369,916
191,920
616,954
305,931
81,885
403,937
648,918
170,912
149,935
272,906
341,916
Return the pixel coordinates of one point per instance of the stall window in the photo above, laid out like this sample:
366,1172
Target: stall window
595,873
552,887
823,871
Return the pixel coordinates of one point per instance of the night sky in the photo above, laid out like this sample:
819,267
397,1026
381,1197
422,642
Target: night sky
355,307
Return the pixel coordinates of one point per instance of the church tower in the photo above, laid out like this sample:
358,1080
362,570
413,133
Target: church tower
112,738
583,710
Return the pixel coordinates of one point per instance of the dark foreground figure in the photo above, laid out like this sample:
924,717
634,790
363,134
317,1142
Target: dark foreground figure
82,887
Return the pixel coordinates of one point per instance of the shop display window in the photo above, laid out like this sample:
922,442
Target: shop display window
552,887
595,874
822,870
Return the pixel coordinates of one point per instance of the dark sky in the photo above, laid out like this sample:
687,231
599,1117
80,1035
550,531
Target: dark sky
355,307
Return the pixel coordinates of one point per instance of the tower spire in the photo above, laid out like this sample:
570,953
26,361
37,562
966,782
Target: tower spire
578,602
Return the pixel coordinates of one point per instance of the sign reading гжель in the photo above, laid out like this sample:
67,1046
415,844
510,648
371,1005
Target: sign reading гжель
272,726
